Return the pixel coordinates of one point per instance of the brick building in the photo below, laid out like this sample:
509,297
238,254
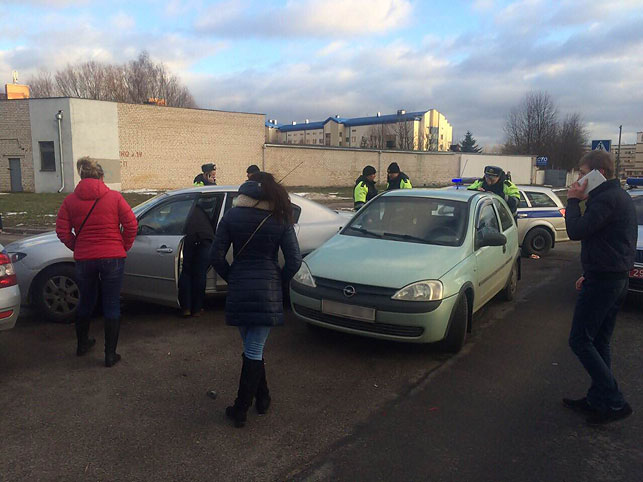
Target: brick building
139,146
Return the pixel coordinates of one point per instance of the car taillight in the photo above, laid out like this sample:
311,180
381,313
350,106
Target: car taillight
562,211
7,274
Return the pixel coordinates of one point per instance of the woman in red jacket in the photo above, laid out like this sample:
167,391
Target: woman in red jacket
96,214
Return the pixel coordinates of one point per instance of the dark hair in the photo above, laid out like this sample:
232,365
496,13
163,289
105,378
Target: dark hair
598,160
276,195
253,169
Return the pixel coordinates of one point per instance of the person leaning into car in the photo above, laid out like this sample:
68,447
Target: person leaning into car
495,180
365,189
96,214
607,231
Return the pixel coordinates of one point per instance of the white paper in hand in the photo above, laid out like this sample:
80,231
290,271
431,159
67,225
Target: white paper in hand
594,179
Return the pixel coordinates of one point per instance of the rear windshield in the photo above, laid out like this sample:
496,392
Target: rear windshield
413,220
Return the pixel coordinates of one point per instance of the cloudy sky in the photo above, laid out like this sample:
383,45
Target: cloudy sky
298,59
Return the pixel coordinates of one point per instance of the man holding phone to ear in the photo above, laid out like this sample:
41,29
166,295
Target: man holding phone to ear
607,231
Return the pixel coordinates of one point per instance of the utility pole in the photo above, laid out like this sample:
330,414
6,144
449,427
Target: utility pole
618,154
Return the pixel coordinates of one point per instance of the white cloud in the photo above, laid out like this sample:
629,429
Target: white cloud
308,18
331,48
122,21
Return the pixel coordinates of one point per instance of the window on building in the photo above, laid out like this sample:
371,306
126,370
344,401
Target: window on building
354,139
47,156
353,130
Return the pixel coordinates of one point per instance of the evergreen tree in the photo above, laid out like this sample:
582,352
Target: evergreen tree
468,144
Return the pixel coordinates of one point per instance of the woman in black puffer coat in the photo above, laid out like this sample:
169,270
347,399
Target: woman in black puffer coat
259,223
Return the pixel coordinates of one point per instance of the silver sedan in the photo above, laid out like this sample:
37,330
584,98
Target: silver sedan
9,292
45,267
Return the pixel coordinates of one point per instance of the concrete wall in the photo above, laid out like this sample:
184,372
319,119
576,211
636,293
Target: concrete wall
521,167
44,127
15,142
95,134
164,147
326,167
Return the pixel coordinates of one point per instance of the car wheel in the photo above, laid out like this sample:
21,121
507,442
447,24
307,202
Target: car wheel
457,334
509,291
537,241
56,294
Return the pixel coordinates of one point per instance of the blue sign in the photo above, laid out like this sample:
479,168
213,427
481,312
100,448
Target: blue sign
542,161
604,145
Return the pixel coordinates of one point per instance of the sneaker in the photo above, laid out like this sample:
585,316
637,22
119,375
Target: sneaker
579,405
602,418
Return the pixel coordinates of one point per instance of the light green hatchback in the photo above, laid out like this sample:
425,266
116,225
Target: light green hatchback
412,265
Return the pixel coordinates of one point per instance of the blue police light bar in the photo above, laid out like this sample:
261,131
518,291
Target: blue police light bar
457,180
634,181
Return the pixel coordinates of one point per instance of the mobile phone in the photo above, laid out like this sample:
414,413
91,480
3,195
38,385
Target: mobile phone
594,179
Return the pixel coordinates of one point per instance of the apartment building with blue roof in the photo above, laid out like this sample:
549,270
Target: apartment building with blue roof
424,130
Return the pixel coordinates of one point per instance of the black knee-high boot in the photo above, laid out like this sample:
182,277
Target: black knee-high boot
112,328
262,397
250,374
82,335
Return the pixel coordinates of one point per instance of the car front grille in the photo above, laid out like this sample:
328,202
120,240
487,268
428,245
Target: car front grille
380,328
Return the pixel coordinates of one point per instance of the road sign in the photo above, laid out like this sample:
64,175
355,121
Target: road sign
542,161
604,145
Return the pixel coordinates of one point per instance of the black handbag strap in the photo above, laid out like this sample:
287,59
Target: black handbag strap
87,217
252,236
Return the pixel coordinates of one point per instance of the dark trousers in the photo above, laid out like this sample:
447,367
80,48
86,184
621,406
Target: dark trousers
109,273
196,262
592,326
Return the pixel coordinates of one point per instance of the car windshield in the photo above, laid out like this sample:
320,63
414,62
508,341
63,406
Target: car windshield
412,219
139,208
638,204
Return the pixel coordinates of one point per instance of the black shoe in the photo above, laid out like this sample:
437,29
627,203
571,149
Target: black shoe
239,416
85,346
602,418
248,382
112,359
579,405
262,397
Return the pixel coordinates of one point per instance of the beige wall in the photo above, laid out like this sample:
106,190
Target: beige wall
164,147
15,142
326,167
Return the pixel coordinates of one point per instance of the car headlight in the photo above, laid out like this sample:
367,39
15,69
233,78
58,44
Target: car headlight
304,276
430,290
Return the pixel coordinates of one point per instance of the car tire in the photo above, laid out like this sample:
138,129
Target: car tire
457,331
55,293
508,293
537,241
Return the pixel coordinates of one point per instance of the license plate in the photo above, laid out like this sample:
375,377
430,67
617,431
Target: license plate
349,311
636,273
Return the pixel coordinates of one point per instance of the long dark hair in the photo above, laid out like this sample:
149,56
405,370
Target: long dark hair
276,195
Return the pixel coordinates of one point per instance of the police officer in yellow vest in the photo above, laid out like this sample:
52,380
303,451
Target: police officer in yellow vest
365,189
496,181
396,178
208,176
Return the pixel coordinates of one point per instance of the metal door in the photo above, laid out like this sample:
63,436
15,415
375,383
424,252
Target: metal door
489,259
16,175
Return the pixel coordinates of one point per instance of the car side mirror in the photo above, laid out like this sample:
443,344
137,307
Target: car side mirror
490,237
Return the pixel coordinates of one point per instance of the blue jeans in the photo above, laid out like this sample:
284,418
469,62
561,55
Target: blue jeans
592,326
192,281
254,338
110,273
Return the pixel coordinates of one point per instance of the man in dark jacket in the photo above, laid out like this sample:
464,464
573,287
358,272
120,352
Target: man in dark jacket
208,176
607,231
252,170
365,189
396,178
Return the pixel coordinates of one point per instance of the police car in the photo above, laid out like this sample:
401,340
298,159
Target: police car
541,217
635,189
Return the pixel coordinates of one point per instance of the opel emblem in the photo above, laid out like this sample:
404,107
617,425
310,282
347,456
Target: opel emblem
349,291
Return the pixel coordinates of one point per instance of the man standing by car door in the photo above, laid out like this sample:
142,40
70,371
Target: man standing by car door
365,189
607,231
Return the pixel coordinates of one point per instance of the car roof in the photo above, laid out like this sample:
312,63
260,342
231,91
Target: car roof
203,189
451,194
529,187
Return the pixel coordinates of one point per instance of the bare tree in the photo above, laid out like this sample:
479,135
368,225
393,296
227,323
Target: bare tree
137,81
572,137
378,134
405,135
531,127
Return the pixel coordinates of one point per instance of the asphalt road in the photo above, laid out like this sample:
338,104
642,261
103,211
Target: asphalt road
345,408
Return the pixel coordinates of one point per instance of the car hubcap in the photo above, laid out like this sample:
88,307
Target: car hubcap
538,243
61,295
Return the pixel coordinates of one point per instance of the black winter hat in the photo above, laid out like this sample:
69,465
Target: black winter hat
254,169
368,171
208,167
393,167
493,171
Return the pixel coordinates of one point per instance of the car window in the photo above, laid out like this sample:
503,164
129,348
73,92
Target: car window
487,218
211,204
166,219
523,201
412,219
540,200
506,219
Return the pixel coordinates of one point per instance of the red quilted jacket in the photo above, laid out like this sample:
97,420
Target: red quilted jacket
101,236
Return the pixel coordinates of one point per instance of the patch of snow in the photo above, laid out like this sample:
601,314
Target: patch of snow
15,214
